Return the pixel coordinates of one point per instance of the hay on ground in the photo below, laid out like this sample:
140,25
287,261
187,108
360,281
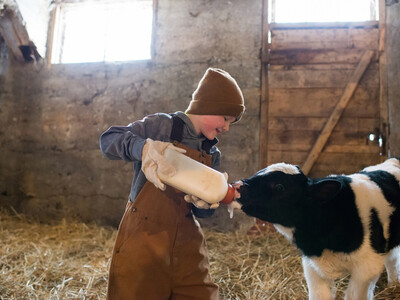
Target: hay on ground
70,261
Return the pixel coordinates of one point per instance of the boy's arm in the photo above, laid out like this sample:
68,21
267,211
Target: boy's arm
135,143
120,142
126,142
202,213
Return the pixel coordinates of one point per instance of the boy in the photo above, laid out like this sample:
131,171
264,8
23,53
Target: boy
160,251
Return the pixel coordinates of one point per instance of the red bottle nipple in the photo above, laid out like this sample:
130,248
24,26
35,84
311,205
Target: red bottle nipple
230,194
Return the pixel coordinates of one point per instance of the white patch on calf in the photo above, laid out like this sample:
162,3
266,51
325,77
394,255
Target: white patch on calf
320,287
338,264
391,165
285,231
368,195
362,265
285,168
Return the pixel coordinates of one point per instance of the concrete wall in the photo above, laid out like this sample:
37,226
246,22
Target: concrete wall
393,67
51,119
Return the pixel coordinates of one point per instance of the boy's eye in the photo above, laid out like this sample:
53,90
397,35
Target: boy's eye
229,119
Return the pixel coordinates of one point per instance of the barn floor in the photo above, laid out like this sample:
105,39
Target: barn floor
70,261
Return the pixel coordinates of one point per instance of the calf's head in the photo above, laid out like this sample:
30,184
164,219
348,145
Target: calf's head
282,194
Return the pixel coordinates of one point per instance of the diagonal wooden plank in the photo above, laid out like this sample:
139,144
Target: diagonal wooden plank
337,112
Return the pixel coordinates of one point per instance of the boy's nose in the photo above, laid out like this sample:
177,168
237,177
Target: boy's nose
226,126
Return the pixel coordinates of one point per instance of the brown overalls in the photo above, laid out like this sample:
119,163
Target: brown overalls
160,251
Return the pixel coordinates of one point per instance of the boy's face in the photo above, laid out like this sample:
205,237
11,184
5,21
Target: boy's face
211,126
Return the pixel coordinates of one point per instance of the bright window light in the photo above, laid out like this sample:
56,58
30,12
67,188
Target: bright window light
295,11
103,31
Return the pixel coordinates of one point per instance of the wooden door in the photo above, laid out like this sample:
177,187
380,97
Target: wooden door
308,71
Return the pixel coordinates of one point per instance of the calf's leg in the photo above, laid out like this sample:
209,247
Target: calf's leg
392,264
361,286
319,288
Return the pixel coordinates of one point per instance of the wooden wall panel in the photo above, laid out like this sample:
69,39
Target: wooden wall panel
308,72
319,75
327,163
320,102
305,137
318,56
346,124
357,38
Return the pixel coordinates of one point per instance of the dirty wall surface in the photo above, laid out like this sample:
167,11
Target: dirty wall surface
51,119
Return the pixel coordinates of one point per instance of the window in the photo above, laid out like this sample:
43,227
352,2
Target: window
97,31
290,11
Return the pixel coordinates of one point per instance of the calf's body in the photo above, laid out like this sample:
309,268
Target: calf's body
343,224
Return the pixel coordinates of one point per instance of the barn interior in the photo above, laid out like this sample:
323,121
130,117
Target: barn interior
321,93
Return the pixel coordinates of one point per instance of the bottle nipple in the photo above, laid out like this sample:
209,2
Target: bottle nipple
230,194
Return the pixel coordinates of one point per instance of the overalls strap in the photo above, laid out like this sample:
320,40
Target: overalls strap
177,128
177,134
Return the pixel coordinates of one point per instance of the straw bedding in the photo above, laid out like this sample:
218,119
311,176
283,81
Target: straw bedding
70,260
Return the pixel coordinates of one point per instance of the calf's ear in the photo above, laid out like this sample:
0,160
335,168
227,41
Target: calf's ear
325,190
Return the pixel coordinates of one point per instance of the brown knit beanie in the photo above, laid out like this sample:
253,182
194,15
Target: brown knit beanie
217,94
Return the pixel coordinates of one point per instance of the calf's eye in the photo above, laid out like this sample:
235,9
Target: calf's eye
279,188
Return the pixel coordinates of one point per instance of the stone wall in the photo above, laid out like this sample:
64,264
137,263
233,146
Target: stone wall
51,119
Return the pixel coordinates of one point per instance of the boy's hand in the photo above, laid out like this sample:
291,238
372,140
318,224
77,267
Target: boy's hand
153,160
200,203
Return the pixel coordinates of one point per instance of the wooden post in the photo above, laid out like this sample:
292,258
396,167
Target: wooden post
383,84
337,112
13,32
263,136
50,40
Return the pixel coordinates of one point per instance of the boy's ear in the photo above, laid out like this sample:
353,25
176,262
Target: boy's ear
325,190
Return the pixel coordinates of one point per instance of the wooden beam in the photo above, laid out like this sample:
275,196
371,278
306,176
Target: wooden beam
323,25
11,38
337,112
383,84
16,36
263,135
50,39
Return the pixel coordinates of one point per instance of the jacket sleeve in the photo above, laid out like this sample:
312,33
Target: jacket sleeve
202,213
126,142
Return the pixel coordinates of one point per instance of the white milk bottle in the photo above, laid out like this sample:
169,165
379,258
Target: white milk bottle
194,178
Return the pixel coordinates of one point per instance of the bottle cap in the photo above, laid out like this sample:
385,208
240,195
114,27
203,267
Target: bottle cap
230,194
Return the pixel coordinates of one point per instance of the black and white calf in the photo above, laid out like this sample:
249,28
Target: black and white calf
342,224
